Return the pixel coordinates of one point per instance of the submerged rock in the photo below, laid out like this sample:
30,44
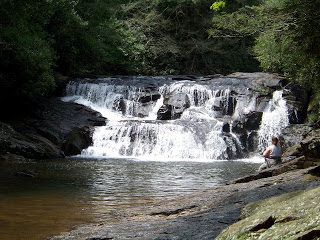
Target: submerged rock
27,173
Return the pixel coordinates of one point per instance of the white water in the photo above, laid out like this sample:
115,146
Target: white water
274,120
196,136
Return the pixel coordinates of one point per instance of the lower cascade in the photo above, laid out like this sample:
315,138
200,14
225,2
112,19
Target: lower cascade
179,118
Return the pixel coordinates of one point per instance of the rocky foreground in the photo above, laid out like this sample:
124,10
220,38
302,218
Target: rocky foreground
279,203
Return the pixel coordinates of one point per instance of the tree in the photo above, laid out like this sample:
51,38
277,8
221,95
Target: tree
285,36
290,44
172,37
39,38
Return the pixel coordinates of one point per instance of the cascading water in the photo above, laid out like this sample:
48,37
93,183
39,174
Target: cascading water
274,120
156,118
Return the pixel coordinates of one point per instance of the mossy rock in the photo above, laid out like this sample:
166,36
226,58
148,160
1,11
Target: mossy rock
288,216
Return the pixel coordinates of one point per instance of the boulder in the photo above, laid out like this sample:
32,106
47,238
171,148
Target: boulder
261,81
174,107
246,129
79,138
293,135
252,121
311,145
54,129
25,145
225,104
297,101
149,97
272,218
120,105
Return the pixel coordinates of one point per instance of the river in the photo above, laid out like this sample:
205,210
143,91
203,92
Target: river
74,191
163,138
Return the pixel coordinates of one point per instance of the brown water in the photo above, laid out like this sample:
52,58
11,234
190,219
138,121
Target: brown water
69,192
39,215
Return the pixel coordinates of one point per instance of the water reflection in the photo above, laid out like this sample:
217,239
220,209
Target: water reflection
74,191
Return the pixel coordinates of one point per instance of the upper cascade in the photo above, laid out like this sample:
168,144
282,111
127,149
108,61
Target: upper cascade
181,117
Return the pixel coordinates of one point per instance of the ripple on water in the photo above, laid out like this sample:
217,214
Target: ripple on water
75,191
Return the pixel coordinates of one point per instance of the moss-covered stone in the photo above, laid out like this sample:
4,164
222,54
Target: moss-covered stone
288,216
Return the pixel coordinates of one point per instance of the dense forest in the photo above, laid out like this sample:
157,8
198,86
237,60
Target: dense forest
40,40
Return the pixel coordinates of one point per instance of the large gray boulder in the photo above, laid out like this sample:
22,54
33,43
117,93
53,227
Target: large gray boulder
260,80
26,145
53,130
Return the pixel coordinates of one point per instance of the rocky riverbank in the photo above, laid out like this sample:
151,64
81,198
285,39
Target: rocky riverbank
54,129
206,214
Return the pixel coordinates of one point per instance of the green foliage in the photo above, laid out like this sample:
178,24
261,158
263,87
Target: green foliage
171,37
42,37
282,34
216,6
27,57
289,44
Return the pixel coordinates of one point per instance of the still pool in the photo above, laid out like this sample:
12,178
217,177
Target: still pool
68,192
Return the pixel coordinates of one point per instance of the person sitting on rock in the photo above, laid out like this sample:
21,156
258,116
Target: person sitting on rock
272,154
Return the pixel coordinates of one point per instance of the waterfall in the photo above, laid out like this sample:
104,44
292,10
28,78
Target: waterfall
156,118
274,120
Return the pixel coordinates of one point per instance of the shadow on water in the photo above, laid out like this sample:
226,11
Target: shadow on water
74,191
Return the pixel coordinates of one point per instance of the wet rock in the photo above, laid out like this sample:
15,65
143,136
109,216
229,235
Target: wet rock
174,107
252,121
261,81
226,127
26,145
252,141
12,157
263,105
297,101
120,105
293,135
27,173
150,97
76,140
52,128
164,113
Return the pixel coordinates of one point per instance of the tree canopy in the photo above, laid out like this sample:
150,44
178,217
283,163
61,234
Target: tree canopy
286,35
39,39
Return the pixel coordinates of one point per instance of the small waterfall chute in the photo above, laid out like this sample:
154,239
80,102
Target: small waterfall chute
274,120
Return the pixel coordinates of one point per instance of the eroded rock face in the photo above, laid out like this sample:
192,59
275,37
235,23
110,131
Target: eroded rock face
311,145
54,130
29,145
297,101
79,138
175,105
